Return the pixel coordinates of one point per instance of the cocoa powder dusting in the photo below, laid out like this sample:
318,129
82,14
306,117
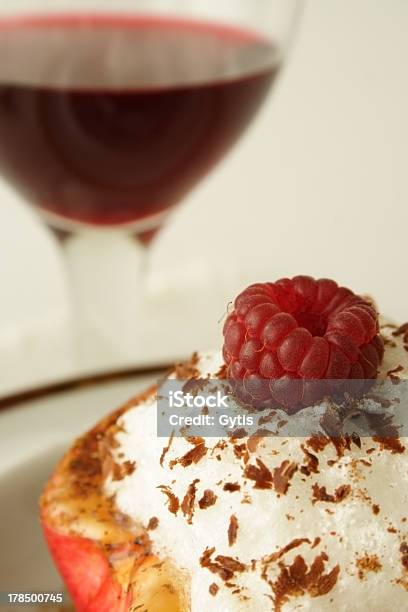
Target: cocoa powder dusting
367,564
188,370
222,373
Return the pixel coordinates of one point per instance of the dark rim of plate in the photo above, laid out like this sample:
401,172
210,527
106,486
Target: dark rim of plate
90,380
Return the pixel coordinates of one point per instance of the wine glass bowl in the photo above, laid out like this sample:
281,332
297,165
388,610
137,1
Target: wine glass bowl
109,117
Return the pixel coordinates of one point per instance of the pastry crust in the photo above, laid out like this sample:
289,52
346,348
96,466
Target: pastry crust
77,517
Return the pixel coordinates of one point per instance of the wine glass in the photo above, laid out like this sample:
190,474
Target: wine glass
110,116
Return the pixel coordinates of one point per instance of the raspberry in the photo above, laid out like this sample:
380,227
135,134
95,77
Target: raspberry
300,329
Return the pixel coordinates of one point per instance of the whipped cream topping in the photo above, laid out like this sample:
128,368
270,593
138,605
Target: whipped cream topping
277,523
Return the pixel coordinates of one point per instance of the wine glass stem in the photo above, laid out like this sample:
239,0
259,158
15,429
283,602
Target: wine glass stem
107,271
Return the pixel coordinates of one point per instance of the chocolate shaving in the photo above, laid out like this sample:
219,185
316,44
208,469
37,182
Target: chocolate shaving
173,501
231,564
320,494
297,579
282,475
166,449
312,462
195,440
401,331
341,444
267,418
331,422
187,505
241,452
396,370
356,439
238,434
318,443
213,589
390,444
208,499
280,553
193,456
232,487
260,474
257,438
339,441
232,530
386,433
195,385
224,567
153,523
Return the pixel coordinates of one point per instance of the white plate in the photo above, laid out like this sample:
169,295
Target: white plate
33,436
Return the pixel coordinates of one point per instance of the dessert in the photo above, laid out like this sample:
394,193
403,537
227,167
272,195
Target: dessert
246,522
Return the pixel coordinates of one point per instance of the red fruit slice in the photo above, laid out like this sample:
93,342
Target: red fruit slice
86,573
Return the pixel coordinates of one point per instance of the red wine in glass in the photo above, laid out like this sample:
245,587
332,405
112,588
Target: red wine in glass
108,121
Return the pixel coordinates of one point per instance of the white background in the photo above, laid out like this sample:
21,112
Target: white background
319,186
